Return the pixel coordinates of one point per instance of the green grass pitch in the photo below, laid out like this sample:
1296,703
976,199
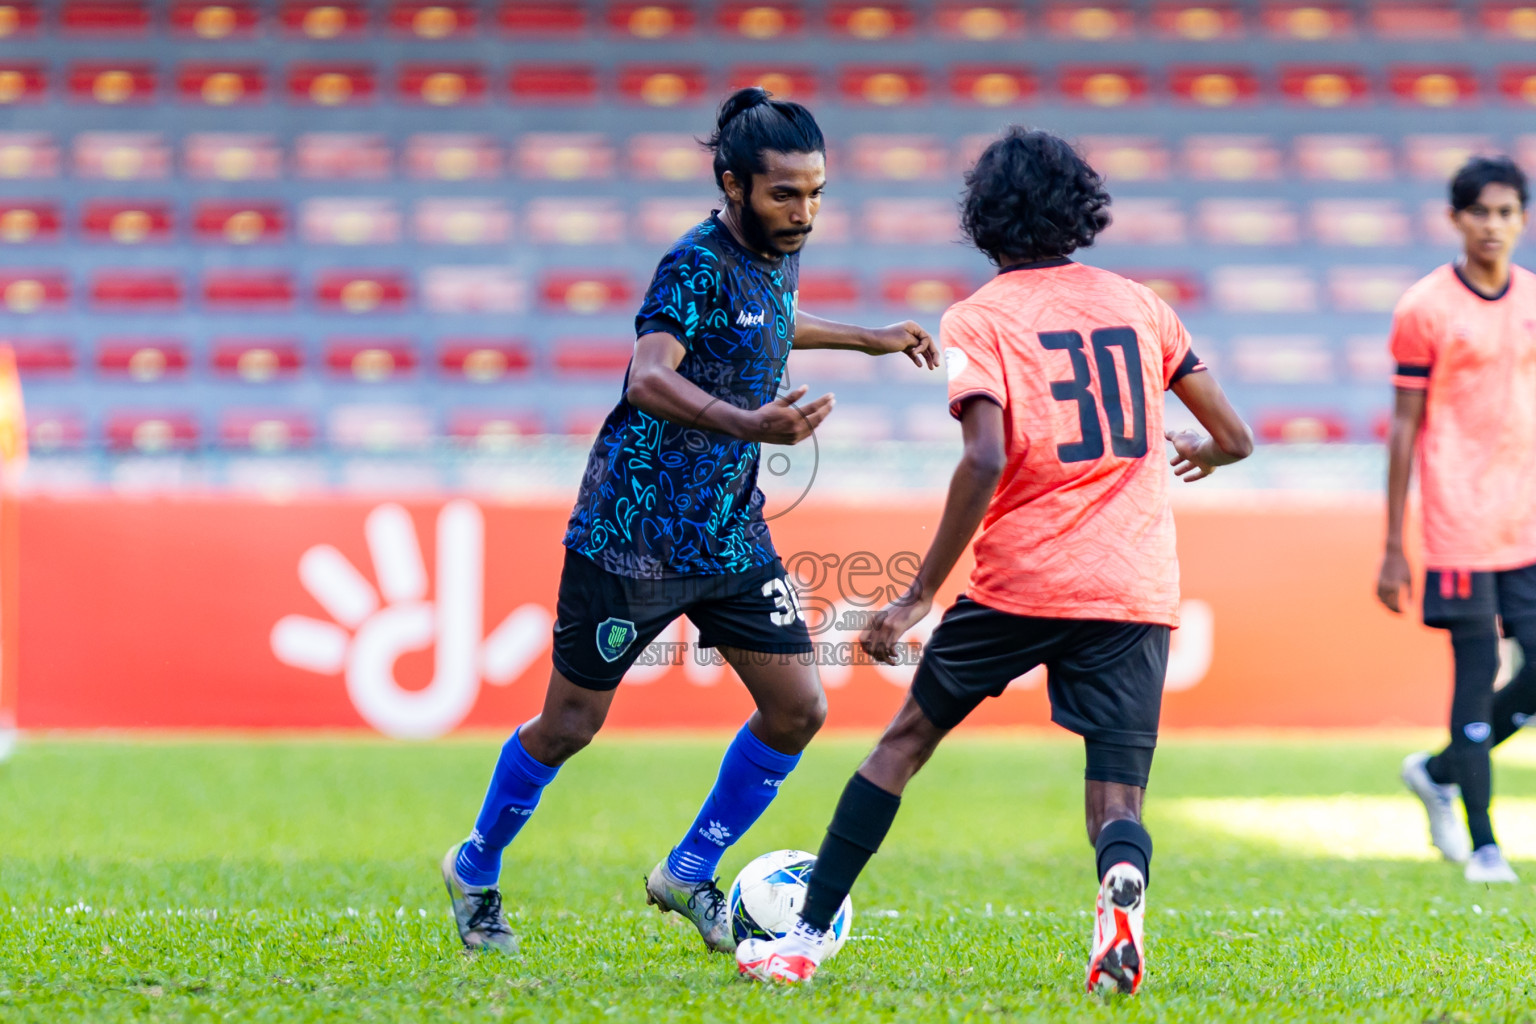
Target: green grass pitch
296,879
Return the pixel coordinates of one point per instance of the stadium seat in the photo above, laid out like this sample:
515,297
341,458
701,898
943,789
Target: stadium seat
152,433
1096,23
543,84
786,81
980,22
224,222
563,156
668,157
1127,157
1179,288
104,17
28,155
1509,20
596,292
1517,83
257,360
23,82
324,19
441,85
651,20
583,422
221,85
1433,85
1360,222
452,157
126,223
908,222
1263,289
828,288
33,291
441,221
898,157
342,156
663,221
1302,427
379,428
1198,22
575,221
360,221
50,431
132,291
483,360
1213,85
1232,158
331,85
541,18
112,83
1343,157
361,292
663,85
585,357
883,86
121,156
265,431
248,291
870,22
1369,289
926,293
1101,85
370,360
1261,222
224,156
22,18
473,289
26,222
760,21
224,19
1415,20
491,430
1310,22
35,357
1436,157
1333,85
1281,359
992,85
1147,222
142,360
1368,358
434,19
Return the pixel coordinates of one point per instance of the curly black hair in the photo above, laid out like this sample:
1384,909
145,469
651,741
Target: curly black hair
1032,197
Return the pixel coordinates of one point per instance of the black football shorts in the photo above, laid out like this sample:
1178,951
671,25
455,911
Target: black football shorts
1454,596
603,621
1105,679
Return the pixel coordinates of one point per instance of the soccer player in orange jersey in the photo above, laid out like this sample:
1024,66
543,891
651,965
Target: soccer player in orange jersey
1464,339
1056,373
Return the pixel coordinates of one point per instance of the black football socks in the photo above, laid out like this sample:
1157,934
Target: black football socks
1124,842
1465,761
863,817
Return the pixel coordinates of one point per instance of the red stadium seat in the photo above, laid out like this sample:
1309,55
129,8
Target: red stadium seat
1512,21
452,157
1361,222
1127,157
1343,158
19,18
483,360
588,357
257,360
248,291
1282,359
1302,427
1369,289
52,431
265,431
1232,158
105,17
132,291
1179,288
583,423
324,19
1311,22
491,431
1198,22
651,20
370,360
575,221
360,221
595,292
152,433
541,18
898,157
28,155
829,288
342,156
1433,86
1324,85
379,428
122,156
1263,289
1139,221
553,83
125,222
1213,85
1416,20
871,22
786,82
1437,157
112,83
221,85
481,288
659,85
362,291
909,222
980,22
669,157
1101,85
222,221
144,360
221,20
24,222
434,19
231,157
993,85
1517,83
926,293
332,85
23,83
760,20
42,356
442,85
443,221
1094,22
32,291
883,86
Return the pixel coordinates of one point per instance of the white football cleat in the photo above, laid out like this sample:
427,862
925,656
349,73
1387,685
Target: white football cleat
787,961
1118,962
1487,864
1445,828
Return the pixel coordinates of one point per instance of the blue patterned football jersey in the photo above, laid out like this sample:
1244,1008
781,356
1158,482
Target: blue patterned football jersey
661,499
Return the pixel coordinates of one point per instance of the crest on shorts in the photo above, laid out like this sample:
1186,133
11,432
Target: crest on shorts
614,637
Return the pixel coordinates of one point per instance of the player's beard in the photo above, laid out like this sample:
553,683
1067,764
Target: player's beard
755,232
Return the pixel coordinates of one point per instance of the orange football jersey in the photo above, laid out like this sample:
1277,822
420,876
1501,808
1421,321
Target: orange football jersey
1078,358
1477,452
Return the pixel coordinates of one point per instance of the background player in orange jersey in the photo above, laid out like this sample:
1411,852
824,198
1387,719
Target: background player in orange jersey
1465,343
1057,373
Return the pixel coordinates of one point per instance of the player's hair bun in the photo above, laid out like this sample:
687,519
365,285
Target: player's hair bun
751,122
739,102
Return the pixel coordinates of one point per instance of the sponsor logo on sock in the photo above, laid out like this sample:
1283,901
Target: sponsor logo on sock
716,833
614,637
775,783
1477,731
477,840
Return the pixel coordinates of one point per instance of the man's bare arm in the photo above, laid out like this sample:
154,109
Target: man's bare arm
1197,455
907,336
1395,577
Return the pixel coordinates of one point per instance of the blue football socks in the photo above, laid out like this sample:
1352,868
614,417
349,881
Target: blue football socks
749,779
513,794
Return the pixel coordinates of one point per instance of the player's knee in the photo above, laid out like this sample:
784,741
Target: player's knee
798,722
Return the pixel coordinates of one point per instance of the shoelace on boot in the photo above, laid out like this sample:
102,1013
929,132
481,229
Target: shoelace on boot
487,915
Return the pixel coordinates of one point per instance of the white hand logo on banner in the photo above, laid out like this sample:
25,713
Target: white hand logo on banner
406,621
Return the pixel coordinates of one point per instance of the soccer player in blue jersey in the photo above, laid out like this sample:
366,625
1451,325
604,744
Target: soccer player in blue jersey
669,520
